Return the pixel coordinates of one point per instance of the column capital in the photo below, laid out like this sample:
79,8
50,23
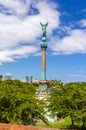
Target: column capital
43,45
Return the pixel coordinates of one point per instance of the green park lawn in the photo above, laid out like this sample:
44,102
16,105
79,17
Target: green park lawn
62,123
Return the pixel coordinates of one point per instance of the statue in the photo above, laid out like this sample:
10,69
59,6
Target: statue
44,29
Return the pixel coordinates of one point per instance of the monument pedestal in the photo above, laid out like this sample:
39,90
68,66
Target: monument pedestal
43,85
43,90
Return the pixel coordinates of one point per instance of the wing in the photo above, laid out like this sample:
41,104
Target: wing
41,24
47,23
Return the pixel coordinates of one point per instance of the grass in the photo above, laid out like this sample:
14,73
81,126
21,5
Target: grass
66,123
63,124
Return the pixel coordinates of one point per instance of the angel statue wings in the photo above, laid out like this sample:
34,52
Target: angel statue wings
44,29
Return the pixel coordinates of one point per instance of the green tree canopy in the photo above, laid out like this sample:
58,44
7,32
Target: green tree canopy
70,100
19,104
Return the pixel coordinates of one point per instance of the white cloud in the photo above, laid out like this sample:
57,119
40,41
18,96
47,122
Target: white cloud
73,43
37,54
19,30
19,52
16,7
19,26
82,23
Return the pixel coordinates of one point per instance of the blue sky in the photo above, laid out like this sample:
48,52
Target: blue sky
20,38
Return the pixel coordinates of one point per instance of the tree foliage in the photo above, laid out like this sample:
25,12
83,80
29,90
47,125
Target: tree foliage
70,100
18,103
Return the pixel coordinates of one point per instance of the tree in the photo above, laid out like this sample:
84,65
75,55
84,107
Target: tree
18,103
70,100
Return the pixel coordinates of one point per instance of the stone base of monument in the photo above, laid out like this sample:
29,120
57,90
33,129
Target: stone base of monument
43,85
43,81
43,91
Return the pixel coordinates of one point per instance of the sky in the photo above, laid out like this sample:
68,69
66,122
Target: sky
21,33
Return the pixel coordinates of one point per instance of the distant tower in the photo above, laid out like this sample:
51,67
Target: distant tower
28,79
43,82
